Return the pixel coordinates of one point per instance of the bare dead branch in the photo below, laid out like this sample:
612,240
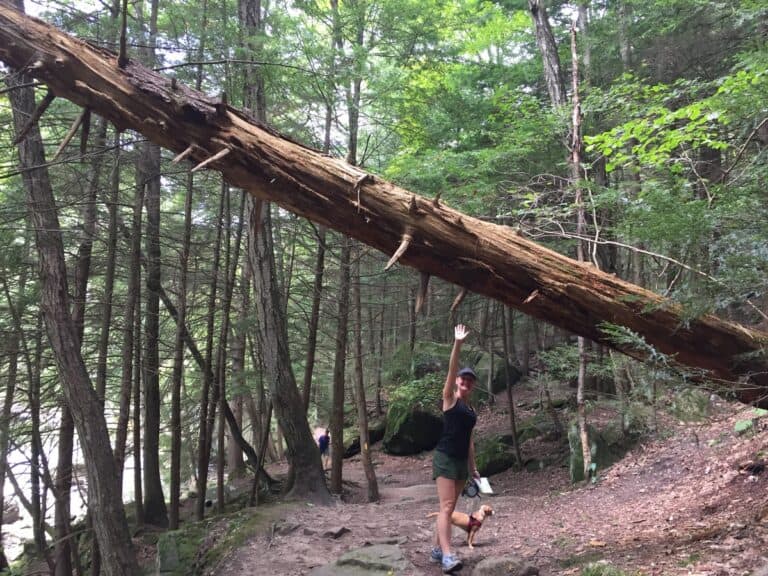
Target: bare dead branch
421,295
39,111
183,155
458,300
218,156
72,130
407,237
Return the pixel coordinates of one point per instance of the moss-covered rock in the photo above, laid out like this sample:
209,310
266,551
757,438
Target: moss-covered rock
376,430
691,405
539,425
499,380
606,447
414,418
493,455
411,429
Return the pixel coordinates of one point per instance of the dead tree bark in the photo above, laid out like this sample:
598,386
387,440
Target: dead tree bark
483,257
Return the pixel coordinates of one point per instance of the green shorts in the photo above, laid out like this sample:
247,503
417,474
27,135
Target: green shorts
449,467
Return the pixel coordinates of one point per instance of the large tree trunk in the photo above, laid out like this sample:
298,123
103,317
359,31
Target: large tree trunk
485,258
155,510
308,480
178,362
104,496
314,316
360,401
339,370
545,40
581,226
208,397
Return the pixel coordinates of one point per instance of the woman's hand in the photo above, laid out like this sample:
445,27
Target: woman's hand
460,332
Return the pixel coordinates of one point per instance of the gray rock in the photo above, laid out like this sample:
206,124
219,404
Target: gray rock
378,560
504,566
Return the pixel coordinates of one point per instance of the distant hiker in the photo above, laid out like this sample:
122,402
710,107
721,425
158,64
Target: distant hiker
324,442
454,457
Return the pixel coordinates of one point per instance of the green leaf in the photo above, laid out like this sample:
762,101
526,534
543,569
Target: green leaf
743,426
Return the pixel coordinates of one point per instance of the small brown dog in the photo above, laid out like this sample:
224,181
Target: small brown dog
470,523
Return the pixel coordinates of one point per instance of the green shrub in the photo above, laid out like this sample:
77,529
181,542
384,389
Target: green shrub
562,364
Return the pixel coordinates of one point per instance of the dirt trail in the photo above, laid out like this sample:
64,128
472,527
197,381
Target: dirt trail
677,505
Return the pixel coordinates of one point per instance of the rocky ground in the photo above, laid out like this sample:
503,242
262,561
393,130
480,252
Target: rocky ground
681,502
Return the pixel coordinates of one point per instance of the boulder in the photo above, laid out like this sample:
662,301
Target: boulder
499,380
414,418
493,455
411,429
691,405
606,447
376,432
376,560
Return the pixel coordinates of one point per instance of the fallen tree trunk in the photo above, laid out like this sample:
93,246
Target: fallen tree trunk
485,258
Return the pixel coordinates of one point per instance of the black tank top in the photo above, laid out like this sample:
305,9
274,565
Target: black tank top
458,422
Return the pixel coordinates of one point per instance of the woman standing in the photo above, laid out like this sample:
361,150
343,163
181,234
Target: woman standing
454,457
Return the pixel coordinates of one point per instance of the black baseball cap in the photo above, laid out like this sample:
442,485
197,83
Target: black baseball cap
467,371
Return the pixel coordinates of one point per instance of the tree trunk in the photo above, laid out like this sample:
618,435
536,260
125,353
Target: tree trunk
155,511
314,317
231,261
105,501
506,319
339,370
208,396
621,382
235,461
545,40
178,362
485,258
106,316
221,353
12,351
575,170
132,299
308,478
138,495
37,453
362,410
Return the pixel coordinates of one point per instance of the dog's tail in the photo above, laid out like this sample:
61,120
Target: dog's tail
432,514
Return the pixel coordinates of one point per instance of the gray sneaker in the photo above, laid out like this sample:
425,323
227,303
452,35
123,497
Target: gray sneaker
436,555
451,564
